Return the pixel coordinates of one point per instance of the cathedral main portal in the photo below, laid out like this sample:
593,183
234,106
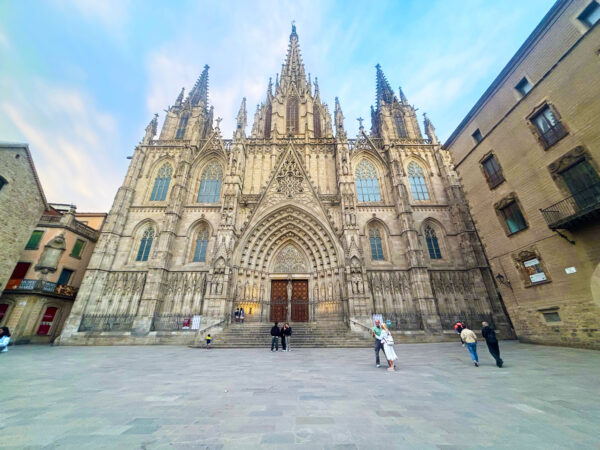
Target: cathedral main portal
289,301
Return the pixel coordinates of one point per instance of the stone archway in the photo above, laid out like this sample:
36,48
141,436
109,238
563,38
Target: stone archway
290,243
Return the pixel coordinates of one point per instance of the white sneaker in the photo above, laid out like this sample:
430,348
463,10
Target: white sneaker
378,365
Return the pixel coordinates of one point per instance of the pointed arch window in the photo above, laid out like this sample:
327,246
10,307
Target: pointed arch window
161,183
182,125
317,120
432,243
418,186
400,125
201,245
210,184
376,247
367,184
291,116
145,244
268,114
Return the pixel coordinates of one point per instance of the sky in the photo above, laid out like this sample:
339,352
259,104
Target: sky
81,79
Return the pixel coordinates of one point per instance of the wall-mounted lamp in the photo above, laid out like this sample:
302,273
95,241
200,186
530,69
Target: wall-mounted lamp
502,280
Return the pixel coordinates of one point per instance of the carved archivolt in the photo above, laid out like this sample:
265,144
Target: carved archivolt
566,161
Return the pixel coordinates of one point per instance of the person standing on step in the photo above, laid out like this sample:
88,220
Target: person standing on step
491,340
242,314
470,340
376,333
286,333
236,314
388,347
275,333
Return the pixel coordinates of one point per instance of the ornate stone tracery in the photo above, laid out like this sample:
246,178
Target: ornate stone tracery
289,180
289,260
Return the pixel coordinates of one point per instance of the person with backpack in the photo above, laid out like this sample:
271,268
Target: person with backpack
491,340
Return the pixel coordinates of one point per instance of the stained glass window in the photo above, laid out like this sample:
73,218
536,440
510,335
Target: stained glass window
317,120
376,248
161,183
291,117
432,243
268,114
201,244
400,127
145,244
367,184
418,185
210,184
182,126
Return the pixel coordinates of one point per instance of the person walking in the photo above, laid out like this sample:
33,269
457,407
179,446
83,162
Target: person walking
4,339
376,333
275,333
470,340
286,333
208,341
491,340
388,347
242,315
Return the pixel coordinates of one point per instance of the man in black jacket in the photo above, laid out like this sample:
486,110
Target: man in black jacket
491,340
275,333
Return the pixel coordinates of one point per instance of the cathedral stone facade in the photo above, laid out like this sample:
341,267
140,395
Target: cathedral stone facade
294,222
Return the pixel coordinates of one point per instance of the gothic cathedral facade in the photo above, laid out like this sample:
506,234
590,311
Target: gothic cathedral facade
294,222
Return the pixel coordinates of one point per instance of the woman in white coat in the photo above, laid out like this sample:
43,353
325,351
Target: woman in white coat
4,339
388,347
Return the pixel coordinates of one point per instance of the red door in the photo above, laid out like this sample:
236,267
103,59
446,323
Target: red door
300,301
18,275
47,320
278,301
3,309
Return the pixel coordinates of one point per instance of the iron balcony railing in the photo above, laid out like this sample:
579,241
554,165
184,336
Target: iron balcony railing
106,322
44,286
572,209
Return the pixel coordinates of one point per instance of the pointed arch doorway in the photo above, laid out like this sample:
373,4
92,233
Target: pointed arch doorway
289,286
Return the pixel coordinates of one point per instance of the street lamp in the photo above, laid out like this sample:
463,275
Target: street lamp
502,280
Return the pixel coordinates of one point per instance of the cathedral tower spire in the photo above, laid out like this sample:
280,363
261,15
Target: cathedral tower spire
384,91
241,120
199,92
292,71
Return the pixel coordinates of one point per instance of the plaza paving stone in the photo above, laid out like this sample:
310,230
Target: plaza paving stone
166,397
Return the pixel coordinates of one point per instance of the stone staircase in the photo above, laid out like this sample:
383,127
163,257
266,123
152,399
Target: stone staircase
304,334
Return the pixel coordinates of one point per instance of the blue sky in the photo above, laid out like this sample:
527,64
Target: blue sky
80,79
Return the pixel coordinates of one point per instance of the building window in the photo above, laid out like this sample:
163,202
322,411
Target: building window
400,126
34,240
591,14
548,126
523,86
3,182
65,277
47,320
182,126
583,182
477,136
551,316
201,245
145,244
317,120
432,243
268,114
376,247
367,184
77,248
210,184
513,218
418,186
291,117
18,275
161,183
492,171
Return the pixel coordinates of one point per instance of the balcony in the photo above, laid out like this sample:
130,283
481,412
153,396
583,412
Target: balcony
41,287
575,210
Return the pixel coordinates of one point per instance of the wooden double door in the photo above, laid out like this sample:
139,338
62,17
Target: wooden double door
297,304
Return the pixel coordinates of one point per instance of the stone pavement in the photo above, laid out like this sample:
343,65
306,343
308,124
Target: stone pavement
165,397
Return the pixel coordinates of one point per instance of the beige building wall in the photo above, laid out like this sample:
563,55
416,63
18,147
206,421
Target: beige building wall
561,62
22,202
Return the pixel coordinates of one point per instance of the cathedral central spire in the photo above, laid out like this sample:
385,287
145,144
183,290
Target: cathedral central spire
199,92
293,69
384,90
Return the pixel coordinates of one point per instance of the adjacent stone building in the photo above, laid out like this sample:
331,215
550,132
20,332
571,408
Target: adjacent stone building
296,221
44,282
528,155
22,202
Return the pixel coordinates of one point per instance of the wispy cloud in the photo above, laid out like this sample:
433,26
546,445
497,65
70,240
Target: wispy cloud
112,15
70,139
